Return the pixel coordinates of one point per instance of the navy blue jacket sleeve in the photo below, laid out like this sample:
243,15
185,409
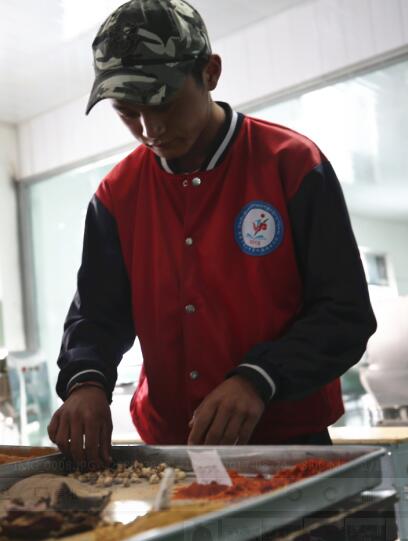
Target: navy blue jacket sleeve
99,326
332,330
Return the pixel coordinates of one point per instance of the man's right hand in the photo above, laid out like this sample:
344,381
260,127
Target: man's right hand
82,427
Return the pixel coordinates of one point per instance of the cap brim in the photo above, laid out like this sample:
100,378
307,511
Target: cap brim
152,86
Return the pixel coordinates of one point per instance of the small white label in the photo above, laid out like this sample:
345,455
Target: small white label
208,468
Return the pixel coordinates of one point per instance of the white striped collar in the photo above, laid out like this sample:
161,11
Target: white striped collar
165,165
225,143
217,156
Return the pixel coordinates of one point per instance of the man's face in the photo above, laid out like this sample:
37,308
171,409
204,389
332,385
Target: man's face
170,129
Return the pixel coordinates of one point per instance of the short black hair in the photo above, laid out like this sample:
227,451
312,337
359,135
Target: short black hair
197,69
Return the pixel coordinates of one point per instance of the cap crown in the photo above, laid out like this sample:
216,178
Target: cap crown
145,49
144,32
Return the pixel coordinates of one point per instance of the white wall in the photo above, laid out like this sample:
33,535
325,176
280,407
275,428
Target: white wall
306,43
10,283
65,135
386,237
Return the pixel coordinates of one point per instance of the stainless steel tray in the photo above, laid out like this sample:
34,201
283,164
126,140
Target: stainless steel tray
27,451
252,517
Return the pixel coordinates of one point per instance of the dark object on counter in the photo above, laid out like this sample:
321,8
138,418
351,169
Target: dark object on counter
28,522
65,507
40,521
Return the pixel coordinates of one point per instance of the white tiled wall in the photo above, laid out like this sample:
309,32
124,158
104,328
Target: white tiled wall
304,43
358,29
387,24
65,135
308,42
404,20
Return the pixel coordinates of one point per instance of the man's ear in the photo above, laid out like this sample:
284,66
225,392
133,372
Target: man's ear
212,72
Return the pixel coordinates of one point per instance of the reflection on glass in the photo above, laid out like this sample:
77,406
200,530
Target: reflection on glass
58,208
361,124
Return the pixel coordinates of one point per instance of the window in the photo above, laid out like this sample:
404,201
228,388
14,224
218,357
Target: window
376,268
361,125
57,210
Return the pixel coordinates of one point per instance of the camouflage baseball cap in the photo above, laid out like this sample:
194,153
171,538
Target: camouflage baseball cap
145,49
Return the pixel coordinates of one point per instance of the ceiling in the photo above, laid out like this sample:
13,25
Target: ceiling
45,53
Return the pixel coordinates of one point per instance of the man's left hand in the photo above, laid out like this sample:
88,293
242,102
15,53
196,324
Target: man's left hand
228,415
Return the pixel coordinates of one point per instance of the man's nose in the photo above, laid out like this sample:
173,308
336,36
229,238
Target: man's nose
152,126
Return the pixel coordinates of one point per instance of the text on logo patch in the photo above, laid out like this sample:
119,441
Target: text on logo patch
259,228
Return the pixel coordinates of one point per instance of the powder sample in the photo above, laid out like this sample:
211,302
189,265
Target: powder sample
155,519
243,487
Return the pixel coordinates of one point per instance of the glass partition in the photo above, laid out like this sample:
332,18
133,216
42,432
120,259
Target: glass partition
57,207
361,124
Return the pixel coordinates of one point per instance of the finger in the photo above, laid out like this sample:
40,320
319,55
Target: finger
77,442
247,428
92,440
217,428
232,430
105,443
53,426
63,435
201,421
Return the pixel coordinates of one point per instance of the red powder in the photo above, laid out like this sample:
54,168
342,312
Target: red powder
251,486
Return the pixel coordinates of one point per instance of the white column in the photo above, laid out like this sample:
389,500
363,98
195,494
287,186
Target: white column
10,281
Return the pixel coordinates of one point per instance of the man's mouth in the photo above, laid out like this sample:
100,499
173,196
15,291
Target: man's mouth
159,144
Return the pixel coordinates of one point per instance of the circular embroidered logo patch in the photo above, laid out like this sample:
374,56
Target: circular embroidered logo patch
259,228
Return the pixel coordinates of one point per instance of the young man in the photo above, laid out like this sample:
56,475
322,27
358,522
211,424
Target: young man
223,242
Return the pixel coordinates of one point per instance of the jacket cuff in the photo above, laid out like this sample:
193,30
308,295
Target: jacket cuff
81,372
84,376
263,383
